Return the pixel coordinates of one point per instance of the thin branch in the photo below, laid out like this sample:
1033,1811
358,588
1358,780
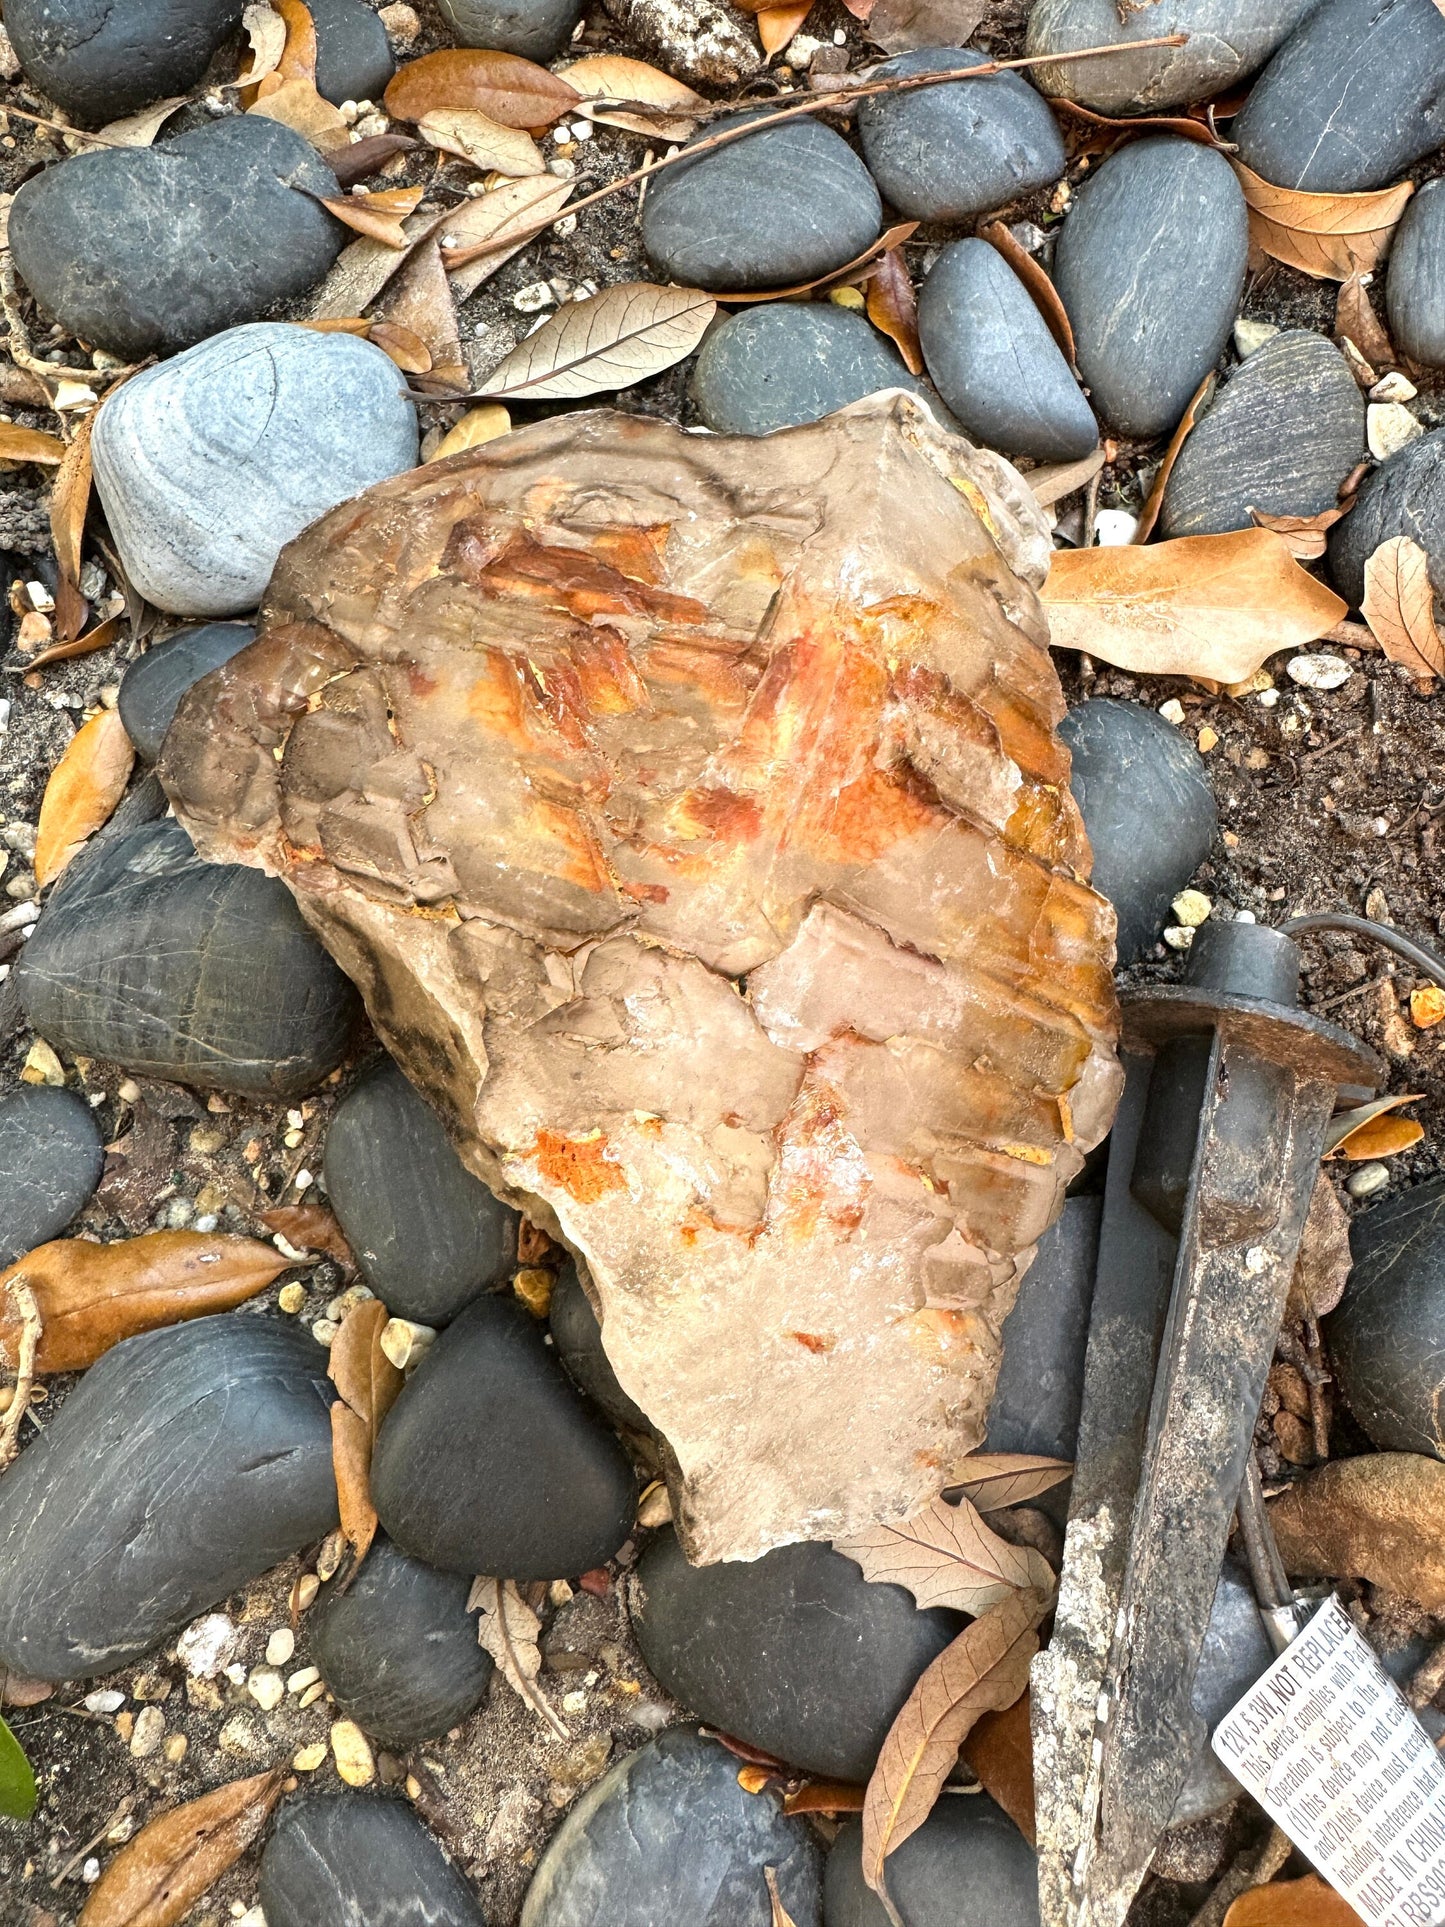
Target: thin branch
21,351
28,1312
59,127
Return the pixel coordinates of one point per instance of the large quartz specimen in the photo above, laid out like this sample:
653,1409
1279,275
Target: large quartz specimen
688,810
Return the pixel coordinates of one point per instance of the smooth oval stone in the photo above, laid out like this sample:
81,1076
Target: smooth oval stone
1228,41
185,1463
353,54
1415,292
949,153
1351,99
146,250
1405,496
966,1866
1387,1337
342,1859
1150,266
536,28
201,972
1040,1389
577,1337
489,1462
51,1159
398,1650
209,464
783,363
152,687
796,1653
791,202
1147,807
1236,1651
1284,433
428,1236
100,59
994,361
668,1835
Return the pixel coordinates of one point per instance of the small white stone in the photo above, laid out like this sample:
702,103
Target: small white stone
208,1644
574,1702
563,168
148,1732
324,1332
355,1762
105,1699
253,1917
1179,936
1172,711
1191,908
1244,916
306,1676
303,1180
403,1341
582,130
1369,1179
90,1872
1250,336
535,296
236,1673
1394,387
1115,528
1318,672
266,1687
1389,427
1268,698
280,1646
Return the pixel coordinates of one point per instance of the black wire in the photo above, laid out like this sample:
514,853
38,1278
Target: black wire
1426,960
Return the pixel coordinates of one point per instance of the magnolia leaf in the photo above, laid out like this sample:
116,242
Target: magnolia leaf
367,1383
618,92
360,159
100,637
947,1556
984,1670
504,87
893,307
999,1752
298,55
1343,1127
1058,479
893,237
611,340
1294,1903
1042,292
91,1296
777,25
310,1227
1356,320
481,234
483,423
1377,1517
993,1480
17,1782
1149,514
781,1916
84,788
508,1630
139,130
1322,1263
159,1876
1399,606
1328,236
1211,606
1305,534
30,445
266,31
485,143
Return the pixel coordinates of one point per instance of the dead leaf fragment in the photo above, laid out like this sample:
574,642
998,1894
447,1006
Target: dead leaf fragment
1089,133
947,1556
1399,606
140,130
1378,1518
893,237
266,31
1356,320
377,222
1305,534
1382,1137
898,26
1349,1123
893,307
999,1752
993,1480
91,1296
156,1878
419,302
508,1629
486,143
367,1383
1042,292
777,25
1209,606
504,87
478,237
823,1796
1427,1007
70,500
30,445
1328,236
1055,480
1310,1902
296,104
484,423
1149,514
617,92
611,340
84,788
310,1227
100,637
781,1916
1322,1265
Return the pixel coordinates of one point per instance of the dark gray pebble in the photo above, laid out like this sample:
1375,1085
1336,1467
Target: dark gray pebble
796,1653
1405,496
1228,41
490,1463
536,28
398,1649
994,361
1285,431
341,1860
1236,1651
950,153
147,250
966,1866
1150,266
153,685
100,59
786,362
1148,809
1351,99
668,1836
51,1159
577,1337
201,972
428,1236
789,203
1415,291
184,1464
1036,1402
353,55
1387,1338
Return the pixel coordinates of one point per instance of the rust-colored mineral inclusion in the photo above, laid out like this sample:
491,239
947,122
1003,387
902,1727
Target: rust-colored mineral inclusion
689,812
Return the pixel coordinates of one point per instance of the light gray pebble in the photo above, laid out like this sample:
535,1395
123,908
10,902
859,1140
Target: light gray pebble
1415,292
784,362
1228,40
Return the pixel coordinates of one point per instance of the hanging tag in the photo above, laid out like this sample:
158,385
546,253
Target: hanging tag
1329,1748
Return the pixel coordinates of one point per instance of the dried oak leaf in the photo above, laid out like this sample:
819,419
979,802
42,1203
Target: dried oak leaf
618,92
1089,133
484,142
1399,606
993,1480
1310,1902
1347,1125
482,234
1042,292
266,31
84,788
368,1384
310,1227
484,423
1305,534
140,130
378,216
1380,1517
419,303
781,1916
947,1556
1381,1137
504,87
159,1876
823,1796
91,1296
100,637
893,307
508,1629
999,1752
611,340
70,499
898,26
1154,501
1056,480
1322,1266
1328,236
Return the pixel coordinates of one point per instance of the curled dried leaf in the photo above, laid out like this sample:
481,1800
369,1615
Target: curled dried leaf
617,92
100,637
70,500
505,87
999,1752
310,1227
156,1878
139,130
1042,292
1056,480
484,423
484,142
777,25
1382,1137
893,307
1154,502
19,444
508,1629
420,302
378,223
993,1480
1345,1126
1091,133
266,31
893,237
611,340
1356,320
84,788
360,159
1328,236
1380,1517
823,1796
297,105
405,347
781,1916
367,1383
479,236
1305,534
1399,606
947,1556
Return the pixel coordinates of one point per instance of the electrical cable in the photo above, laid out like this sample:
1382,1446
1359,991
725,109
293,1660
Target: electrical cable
1424,959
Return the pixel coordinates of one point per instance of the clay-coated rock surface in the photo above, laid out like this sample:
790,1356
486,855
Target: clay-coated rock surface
536,28
153,685
428,1236
966,1866
147,250
149,958
1415,290
50,1163
796,1653
209,464
669,1836
1150,265
353,57
786,362
1387,1338
184,1464
1404,496
490,1463
1228,41
341,1859
100,59
578,1339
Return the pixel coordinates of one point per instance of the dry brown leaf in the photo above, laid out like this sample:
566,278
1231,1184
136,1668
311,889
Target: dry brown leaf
1356,320
823,1796
477,237
1399,606
947,1556
1089,133
504,87
1382,1137
70,500
1380,1517
781,1916
84,787
893,307
405,347
159,1876
508,1629
1328,236
377,223
993,1480
310,1227
139,130
100,637
1347,1123
1149,514
364,268
999,1752
614,89
1210,606
1056,480
266,31
611,340
360,159
1322,1264
30,445
1042,292
777,25
1305,534
91,1296
1310,1902
297,105
893,237
484,423
898,26
367,1385
984,1670
485,143
420,301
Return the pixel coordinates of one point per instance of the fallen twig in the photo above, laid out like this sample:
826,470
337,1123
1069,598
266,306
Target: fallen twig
28,1312
22,352
80,1852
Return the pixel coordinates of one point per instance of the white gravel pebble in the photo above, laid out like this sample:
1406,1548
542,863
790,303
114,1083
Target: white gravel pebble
1179,936
208,1644
280,1646
1250,337
1115,528
1172,711
1318,672
1389,427
1191,908
299,1681
1369,1179
266,1687
148,1732
104,1700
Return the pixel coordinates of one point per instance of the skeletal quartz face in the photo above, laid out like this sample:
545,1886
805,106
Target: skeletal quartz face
689,812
